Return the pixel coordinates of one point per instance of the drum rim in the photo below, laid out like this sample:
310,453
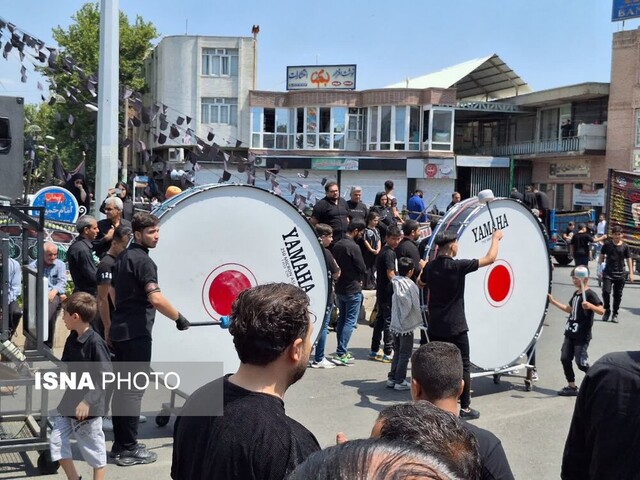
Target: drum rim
192,191
474,205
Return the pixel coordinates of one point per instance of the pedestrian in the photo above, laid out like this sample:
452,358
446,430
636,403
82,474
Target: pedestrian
444,278
406,316
332,210
386,269
416,207
371,245
530,199
357,209
114,210
137,297
236,426
408,247
455,198
325,235
77,185
385,216
80,410
82,264
120,191
577,333
348,289
580,244
615,252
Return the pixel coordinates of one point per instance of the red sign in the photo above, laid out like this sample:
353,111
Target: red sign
431,170
54,197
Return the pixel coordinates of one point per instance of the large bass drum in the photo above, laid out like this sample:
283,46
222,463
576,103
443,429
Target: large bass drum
216,241
506,302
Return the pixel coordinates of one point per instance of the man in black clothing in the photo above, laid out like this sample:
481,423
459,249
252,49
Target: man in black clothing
542,199
516,194
530,199
444,277
349,258
248,435
137,297
357,209
80,256
106,227
408,248
455,198
436,371
605,430
580,244
616,252
386,268
332,210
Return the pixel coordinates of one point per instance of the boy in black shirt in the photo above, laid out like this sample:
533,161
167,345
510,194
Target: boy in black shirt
577,333
580,244
615,251
81,410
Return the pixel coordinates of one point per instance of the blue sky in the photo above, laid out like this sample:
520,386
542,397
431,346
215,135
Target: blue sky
549,43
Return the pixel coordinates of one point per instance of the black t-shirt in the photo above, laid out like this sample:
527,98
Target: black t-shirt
254,439
408,248
332,266
386,261
445,280
615,257
105,275
101,245
358,210
336,215
82,266
580,242
580,321
87,353
605,430
495,465
352,268
134,315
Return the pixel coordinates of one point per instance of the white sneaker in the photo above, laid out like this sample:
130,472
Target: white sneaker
107,424
142,419
324,363
401,387
391,383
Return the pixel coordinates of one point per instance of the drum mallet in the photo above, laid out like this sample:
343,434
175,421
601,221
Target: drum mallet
222,323
486,197
581,273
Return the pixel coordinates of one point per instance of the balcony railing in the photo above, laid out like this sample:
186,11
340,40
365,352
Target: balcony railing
570,144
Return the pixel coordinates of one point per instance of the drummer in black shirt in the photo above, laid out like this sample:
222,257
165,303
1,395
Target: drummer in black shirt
137,296
616,252
444,277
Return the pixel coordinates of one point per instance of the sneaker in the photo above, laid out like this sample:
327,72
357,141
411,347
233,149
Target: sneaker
390,383
343,360
107,424
138,455
324,363
377,356
534,375
607,314
568,391
386,359
469,414
402,387
116,449
614,318
142,419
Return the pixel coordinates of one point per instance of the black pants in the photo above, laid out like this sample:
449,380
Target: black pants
381,327
55,306
129,400
571,349
462,342
617,282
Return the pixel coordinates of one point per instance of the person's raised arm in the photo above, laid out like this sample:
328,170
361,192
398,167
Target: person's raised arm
492,253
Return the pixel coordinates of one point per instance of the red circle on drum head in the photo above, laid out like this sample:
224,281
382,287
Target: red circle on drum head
224,289
499,283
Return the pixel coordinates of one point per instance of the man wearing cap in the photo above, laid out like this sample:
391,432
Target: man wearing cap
444,277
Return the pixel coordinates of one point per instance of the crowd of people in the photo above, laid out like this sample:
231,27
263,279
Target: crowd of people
111,311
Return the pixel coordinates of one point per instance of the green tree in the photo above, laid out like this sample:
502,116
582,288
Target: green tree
70,122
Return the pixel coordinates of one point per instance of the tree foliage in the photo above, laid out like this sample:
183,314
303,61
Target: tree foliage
68,120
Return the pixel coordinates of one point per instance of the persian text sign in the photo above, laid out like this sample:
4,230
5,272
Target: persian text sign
624,205
625,9
321,77
60,205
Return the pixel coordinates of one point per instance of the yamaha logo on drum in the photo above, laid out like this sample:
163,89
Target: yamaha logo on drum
295,262
486,229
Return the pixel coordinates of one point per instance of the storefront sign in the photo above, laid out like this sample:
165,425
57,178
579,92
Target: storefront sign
321,77
625,9
588,197
570,168
478,161
431,168
334,163
60,205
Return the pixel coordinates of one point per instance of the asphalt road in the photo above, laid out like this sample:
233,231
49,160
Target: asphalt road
532,425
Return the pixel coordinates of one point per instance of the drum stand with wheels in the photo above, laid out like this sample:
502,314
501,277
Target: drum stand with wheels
169,408
530,368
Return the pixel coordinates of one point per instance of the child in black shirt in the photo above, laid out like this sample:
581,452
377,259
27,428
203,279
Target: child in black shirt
577,333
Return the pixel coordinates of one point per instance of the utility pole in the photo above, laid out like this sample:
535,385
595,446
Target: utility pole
125,150
108,73
255,30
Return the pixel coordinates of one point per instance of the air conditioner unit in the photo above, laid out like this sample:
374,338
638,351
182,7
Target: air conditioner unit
261,161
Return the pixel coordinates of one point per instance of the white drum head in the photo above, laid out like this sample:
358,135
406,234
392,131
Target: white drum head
505,303
216,241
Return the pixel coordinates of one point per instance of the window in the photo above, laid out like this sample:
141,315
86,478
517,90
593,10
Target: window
220,110
220,62
272,127
394,128
442,126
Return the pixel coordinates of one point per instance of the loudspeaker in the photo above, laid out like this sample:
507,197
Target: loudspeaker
11,147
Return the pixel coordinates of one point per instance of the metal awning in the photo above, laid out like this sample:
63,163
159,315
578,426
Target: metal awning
482,79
